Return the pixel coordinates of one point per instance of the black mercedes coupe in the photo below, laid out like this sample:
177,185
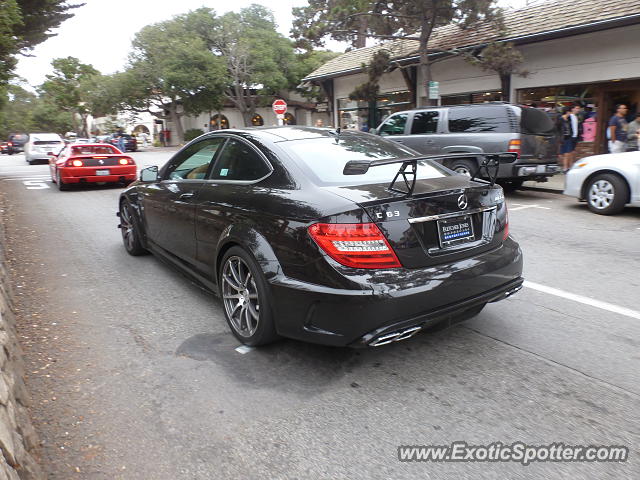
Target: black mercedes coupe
339,238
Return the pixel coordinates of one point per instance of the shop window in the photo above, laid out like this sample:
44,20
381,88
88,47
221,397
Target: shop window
257,121
218,122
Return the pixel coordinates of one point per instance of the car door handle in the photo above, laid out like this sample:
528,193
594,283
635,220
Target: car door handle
430,142
186,196
399,141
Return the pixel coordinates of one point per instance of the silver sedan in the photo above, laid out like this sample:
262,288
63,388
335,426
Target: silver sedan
606,182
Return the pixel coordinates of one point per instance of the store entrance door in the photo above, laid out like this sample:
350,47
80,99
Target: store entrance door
610,96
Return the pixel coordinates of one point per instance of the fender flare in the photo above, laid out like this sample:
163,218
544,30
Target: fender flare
253,241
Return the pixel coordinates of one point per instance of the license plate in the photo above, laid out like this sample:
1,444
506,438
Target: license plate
453,231
102,172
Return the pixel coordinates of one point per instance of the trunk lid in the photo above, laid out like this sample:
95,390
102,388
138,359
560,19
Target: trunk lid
445,219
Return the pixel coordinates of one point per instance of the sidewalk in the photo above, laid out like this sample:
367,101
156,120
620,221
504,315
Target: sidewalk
554,185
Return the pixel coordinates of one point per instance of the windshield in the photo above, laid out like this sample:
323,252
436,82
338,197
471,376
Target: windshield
323,159
92,150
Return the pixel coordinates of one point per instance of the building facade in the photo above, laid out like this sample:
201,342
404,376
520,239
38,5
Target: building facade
575,53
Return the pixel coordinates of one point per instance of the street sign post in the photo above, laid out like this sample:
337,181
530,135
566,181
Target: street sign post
279,108
434,90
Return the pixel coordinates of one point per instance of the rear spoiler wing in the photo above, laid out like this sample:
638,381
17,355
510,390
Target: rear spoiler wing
490,163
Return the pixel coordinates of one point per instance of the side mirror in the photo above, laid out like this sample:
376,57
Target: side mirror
149,174
373,131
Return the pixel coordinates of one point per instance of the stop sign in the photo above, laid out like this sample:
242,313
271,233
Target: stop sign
279,107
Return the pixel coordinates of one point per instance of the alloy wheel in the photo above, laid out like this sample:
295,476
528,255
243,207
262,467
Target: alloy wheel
601,194
127,227
240,296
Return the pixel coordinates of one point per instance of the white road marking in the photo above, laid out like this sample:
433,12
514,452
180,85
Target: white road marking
243,349
627,312
35,184
522,207
31,177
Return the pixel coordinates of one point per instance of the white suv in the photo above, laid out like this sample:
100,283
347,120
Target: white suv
41,145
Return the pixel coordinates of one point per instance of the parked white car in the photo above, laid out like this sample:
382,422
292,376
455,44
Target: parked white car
606,182
41,145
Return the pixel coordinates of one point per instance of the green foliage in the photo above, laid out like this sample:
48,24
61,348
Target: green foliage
25,24
26,112
66,88
369,90
500,57
344,20
192,133
257,57
305,63
171,69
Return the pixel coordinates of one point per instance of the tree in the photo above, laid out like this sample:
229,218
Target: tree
25,24
65,88
344,20
369,90
259,61
395,20
306,62
171,70
502,58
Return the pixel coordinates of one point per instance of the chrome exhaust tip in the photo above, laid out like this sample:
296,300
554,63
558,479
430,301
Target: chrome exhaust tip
396,336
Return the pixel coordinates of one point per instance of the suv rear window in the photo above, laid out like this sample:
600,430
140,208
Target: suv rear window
479,119
323,159
536,122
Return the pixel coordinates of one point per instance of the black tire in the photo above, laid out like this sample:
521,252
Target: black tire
606,194
254,298
63,187
463,166
511,185
130,229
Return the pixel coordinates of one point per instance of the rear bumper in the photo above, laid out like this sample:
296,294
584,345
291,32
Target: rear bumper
88,174
408,298
523,170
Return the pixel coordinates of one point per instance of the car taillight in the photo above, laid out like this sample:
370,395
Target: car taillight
9,144
74,163
126,161
359,245
514,147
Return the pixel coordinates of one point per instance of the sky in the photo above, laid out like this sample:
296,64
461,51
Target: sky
101,31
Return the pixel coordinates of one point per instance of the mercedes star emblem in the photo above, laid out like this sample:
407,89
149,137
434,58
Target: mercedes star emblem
462,201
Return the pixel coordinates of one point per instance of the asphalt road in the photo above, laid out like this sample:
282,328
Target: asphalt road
135,374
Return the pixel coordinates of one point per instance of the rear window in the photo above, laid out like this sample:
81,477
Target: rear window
47,142
323,159
478,120
536,122
93,150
